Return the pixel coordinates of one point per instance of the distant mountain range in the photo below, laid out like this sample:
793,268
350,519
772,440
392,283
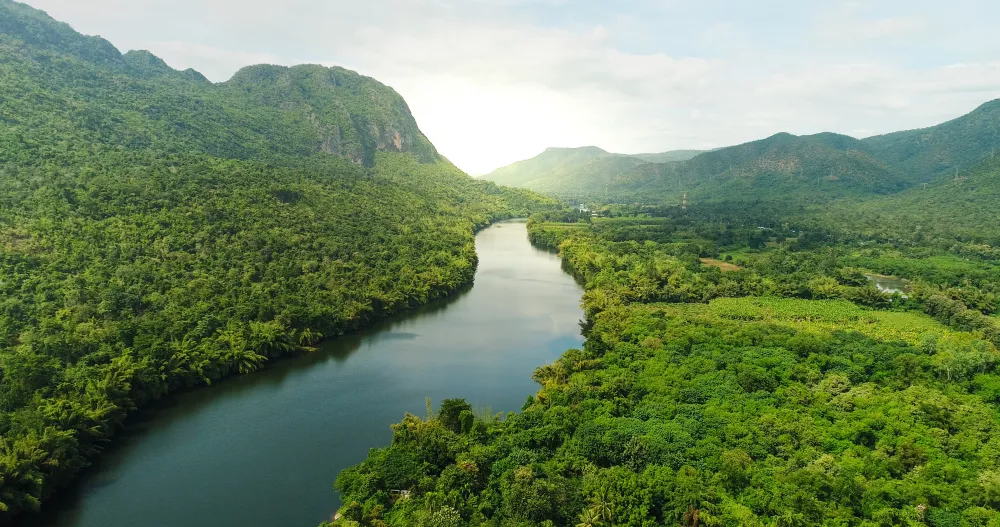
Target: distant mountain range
571,172
785,167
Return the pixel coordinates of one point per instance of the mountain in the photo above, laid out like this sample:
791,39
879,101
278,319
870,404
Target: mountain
574,172
564,172
553,162
954,145
159,231
957,213
833,166
137,100
666,157
783,167
810,168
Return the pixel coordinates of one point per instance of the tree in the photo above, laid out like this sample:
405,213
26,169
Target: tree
450,413
588,518
601,505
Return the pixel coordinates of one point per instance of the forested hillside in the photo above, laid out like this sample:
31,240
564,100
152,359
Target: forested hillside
927,153
578,173
666,157
158,231
779,169
950,212
732,375
64,91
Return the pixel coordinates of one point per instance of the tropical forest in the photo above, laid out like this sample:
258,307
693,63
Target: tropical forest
799,330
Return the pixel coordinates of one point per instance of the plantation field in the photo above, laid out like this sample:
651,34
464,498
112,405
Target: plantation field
726,267
824,316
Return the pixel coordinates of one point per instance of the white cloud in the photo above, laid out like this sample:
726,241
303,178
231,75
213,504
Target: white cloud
214,63
494,81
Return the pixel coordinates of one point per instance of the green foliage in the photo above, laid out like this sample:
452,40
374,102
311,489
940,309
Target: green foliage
159,232
451,414
578,173
668,415
698,401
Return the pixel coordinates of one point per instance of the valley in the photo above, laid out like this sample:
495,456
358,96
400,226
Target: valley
219,299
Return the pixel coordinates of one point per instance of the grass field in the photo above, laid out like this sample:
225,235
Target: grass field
725,266
822,315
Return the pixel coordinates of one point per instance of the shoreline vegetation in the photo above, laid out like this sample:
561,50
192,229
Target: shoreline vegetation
160,232
61,431
760,396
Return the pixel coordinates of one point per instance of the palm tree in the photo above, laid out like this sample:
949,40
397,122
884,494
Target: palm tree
691,500
601,505
588,519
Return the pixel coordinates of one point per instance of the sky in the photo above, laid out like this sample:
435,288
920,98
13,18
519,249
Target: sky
491,82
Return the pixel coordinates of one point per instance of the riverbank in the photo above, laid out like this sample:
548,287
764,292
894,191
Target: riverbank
263,449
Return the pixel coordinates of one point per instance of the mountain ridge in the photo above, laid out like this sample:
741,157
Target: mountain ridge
319,110
562,163
159,232
782,167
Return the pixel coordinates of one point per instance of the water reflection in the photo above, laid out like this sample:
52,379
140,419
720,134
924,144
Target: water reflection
890,284
263,449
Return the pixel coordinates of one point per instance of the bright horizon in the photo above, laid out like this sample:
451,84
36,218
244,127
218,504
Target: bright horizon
494,82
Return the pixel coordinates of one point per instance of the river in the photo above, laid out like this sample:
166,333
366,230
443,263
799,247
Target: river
263,449
890,284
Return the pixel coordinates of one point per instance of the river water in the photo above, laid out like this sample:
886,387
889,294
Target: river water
263,449
890,284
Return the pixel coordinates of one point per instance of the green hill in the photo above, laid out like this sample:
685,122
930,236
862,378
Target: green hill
807,168
783,167
577,173
960,214
584,179
81,89
955,145
551,162
158,231
666,157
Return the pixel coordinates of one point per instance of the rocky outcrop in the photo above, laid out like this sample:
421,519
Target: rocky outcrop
351,115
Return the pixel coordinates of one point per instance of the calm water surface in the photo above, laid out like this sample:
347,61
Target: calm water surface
263,449
890,284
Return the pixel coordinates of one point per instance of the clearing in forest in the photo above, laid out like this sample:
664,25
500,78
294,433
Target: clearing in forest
725,266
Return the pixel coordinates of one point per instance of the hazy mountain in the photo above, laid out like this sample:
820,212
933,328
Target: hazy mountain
782,167
574,172
666,157
552,162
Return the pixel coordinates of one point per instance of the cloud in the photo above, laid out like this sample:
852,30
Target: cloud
849,22
215,63
494,81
